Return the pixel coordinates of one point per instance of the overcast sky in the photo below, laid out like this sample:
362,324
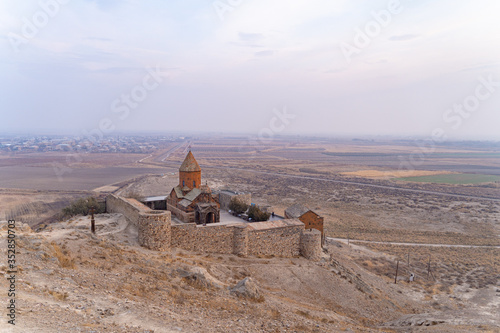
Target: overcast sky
358,67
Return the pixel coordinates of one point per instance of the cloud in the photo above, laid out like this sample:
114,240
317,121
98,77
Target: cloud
338,70
266,53
490,66
381,61
250,37
99,39
400,38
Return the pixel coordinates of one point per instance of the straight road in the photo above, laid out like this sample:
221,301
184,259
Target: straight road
344,240
357,183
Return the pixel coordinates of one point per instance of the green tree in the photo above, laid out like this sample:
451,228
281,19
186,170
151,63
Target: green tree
256,214
237,206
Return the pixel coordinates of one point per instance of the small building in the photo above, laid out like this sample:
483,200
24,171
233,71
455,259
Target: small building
310,219
225,196
190,201
156,202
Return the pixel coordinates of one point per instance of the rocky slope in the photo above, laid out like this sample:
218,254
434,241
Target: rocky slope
70,280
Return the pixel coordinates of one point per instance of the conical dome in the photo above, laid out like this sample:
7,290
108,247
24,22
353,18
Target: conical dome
189,164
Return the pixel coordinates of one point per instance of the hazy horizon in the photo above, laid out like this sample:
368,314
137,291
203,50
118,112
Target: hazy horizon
402,69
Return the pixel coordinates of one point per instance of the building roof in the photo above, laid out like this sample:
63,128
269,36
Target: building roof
185,203
296,210
157,198
189,164
190,196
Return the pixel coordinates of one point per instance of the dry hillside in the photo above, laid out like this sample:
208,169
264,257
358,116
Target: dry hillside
73,281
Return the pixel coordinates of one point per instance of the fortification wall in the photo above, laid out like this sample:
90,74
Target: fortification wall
279,241
130,208
282,241
183,216
310,244
209,238
240,240
155,230
153,225
283,238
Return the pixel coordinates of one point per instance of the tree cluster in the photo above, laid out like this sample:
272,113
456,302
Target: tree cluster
82,206
256,214
237,206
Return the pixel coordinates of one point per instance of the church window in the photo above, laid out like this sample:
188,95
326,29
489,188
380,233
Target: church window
194,183
183,183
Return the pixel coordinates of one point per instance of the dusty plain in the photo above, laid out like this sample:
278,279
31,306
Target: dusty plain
355,184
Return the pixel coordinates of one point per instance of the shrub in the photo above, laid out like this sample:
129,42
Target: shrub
256,214
82,206
237,206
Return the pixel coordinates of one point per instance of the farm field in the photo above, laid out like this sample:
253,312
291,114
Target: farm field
461,179
358,188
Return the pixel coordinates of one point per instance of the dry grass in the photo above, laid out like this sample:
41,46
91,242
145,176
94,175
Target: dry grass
474,267
393,173
380,234
275,314
58,295
224,304
178,296
64,258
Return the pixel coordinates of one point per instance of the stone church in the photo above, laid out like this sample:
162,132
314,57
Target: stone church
190,201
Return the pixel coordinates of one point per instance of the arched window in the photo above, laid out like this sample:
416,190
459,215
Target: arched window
194,183
183,183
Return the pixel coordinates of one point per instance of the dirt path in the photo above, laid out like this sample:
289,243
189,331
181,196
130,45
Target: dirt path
344,240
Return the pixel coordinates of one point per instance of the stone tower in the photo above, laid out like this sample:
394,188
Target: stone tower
189,173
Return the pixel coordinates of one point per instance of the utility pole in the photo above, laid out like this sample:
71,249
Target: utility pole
92,220
397,267
429,266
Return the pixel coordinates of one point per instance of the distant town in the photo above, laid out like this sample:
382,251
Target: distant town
115,144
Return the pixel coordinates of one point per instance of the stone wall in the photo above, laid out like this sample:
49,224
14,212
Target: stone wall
209,238
240,240
183,216
282,238
266,238
153,225
128,207
154,230
310,244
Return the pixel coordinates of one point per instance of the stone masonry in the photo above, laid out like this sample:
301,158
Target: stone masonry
283,238
153,225
154,230
310,244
